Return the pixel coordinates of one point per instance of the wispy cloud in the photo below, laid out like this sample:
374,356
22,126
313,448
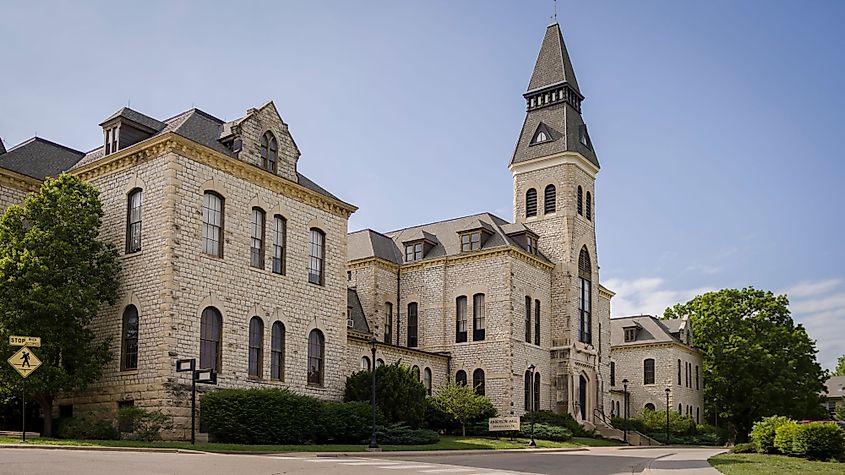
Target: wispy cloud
706,269
809,289
647,295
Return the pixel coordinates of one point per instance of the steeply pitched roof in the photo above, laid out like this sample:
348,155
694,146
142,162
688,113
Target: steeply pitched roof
40,158
553,65
356,312
135,116
651,330
368,243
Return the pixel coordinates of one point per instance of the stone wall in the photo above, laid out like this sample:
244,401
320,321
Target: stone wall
358,347
10,195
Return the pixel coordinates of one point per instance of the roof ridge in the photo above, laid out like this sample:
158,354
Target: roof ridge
43,140
449,220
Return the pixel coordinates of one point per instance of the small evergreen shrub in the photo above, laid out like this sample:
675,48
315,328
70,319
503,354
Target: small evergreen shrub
545,432
763,433
91,428
400,434
748,448
785,439
146,425
400,395
820,441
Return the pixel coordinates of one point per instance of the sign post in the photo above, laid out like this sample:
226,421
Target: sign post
25,362
205,376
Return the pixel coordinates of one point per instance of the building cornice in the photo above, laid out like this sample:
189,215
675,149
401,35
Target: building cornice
171,142
605,292
562,158
452,260
656,345
18,181
365,338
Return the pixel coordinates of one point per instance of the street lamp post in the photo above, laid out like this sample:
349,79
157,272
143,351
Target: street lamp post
667,415
625,409
532,405
373,442
716,420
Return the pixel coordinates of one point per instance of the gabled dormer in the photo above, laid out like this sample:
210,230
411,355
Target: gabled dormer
127,127
417,245
526,238
475,235
631,331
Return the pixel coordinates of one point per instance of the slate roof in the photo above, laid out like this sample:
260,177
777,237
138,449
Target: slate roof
651,330
368,243
553,65
356,312
40,158
135,116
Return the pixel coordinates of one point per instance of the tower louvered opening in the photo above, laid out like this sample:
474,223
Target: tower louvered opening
549,199
531,203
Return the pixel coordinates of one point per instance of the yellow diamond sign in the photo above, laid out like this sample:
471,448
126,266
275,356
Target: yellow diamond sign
24,361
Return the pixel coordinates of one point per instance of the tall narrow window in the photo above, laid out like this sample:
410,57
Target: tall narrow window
679,372
212,224
129,346
316,348
589,206
280,233
211,332
461,319
527,319
388,322
478,381
696,377
537,322
648,371
427,380
536,391
256,246
585,322
531,203
256,347
277,351
526,386
612,374
415,370
579,201
318,251
365,363
133,220
549,197
461,377
479,317
412,325
269,152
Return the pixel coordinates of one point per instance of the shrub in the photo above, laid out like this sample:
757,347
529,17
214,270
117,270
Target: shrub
87,428
785,439
463,404
743,448
655,421
399,393
261,416
145,425
629,424
763,433
545,432
560,420
820,440
347,422
439,420
400,434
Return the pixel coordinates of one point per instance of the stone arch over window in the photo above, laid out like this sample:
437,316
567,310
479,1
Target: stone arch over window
211,336
589,210
537,391
416,371
316,357
649,407
269,151
129,339
213,213
277,351
579,200
134,215
365,363
648,371
427,380
585,299
256,347
461,319
257,238
461,377
479,317
317,256
526,388
549,199
531,203
478,381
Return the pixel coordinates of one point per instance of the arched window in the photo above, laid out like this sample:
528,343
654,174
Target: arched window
649,407
135,204
526,386
530,203
316,264
212,224
388,322
479,317
679,372
412,325
277,351
316,350
579,201
365,363
612,373
541,137
461,319
379,363
527,319
537,322
269,152
129,335
416,371
478,381
280,233
256,246
536,391
589,206
461,377
256,347
211,332
585,321
680,408
427,380
648,371
549,197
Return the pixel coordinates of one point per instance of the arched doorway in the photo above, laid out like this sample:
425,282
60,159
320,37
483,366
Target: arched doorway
582,397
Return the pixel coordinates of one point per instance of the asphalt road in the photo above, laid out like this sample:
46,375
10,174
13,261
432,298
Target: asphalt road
599,461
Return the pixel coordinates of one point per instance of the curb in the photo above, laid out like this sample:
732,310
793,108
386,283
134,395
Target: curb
427,453
100,448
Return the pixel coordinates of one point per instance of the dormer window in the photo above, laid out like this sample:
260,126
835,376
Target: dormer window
631,334
541,135
531,244
471,241
413,251
111,140
269,152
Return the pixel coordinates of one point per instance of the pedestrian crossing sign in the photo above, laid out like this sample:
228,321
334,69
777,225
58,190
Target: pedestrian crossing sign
24,361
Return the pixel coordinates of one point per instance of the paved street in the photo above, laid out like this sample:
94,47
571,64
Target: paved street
599,461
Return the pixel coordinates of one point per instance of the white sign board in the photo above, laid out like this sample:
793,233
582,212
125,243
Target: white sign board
497,424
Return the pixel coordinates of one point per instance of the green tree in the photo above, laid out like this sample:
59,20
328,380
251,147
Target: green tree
54,275
399,393
463,404
757,361
840,411
840,367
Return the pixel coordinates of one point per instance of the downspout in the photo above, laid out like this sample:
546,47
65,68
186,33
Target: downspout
398,305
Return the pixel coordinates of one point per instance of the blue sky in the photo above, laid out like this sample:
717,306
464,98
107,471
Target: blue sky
717,123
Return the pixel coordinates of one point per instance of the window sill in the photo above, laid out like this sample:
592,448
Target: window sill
129,372
211,257
316,387
130,255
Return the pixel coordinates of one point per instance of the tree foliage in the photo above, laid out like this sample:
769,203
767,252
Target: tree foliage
54,275
757,361
400,396
840,367
463,404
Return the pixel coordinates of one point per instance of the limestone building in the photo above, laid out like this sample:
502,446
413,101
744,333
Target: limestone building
654,355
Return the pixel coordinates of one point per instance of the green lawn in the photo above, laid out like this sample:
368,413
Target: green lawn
759,464
445,443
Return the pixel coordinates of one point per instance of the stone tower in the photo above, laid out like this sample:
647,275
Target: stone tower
554,168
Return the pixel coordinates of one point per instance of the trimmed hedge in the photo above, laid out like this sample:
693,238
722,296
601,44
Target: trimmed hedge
820,441
560,420
400,434
89,428
347,422
763,433
545,432
785,438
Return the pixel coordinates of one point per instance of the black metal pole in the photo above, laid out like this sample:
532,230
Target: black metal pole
193,408
667,417
533,407
716,421
373,442
625,410
23,413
